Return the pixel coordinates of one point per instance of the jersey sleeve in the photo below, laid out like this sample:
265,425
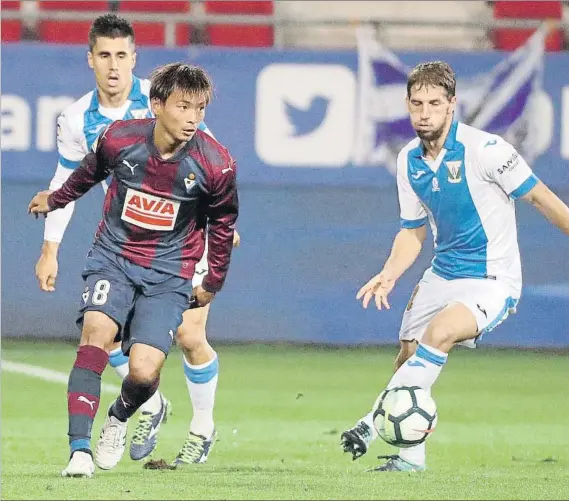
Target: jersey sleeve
413,214
503,165
58,220
71,151
95,167
70,145
222,212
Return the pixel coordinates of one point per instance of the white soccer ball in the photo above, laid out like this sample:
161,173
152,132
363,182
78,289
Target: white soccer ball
405,416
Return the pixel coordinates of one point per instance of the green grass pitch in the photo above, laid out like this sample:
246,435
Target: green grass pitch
503,429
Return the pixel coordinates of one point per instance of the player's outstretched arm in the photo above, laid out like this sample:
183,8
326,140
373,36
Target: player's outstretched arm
57,221
80,182
550,205
55,225
406,247
47,266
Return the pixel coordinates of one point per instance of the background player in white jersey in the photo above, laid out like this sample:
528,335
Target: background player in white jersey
121,95
463,181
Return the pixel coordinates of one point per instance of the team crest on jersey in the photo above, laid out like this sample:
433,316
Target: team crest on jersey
190,181
435,185
150,212
139,114
454,175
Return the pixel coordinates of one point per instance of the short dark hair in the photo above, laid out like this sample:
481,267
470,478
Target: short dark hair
434,73
179,76
110,26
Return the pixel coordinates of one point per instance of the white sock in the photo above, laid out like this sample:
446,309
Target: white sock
119,363
422,369
368,419
416,454
153,404
202,383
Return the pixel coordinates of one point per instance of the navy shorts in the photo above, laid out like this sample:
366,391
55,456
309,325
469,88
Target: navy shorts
147,305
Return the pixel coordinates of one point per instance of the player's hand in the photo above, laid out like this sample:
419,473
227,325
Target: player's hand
202,297
236,239
46,271
39,205
379,287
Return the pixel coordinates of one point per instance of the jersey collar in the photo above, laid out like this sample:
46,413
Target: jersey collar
178,156
134,95
450,141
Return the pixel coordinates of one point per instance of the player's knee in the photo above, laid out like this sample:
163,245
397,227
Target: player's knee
439,336
191,334
98,330
143,373
145,363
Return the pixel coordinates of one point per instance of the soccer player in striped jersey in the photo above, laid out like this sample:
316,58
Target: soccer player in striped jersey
171,184
120,95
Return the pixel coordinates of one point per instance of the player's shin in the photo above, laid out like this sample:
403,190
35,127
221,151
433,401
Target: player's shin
133,394
119,362
83,392
421,369
202,384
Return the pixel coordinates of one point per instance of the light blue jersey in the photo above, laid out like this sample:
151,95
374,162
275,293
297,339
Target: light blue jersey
80,124
77,129
467,195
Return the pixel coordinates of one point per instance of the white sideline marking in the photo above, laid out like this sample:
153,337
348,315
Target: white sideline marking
47,374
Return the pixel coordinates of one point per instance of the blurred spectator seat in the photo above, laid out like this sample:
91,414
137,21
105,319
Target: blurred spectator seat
147,33
11,28
72,32
404,24
512,38
78,5
240,35
155,33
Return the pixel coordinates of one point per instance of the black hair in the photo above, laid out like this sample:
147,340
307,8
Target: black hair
110,26
179,76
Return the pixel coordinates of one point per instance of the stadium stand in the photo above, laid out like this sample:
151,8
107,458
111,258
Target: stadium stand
155,33
406,33
401,25
11,28
512,38
250,35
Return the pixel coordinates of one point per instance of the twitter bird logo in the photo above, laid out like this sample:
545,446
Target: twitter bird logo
302,113
306,121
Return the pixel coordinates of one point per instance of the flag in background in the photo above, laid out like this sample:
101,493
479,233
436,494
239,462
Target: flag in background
507,100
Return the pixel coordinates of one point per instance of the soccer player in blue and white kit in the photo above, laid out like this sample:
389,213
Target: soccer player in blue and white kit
120,95
462,182
172,184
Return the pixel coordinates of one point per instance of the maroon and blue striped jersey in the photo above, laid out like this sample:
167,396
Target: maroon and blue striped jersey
157,212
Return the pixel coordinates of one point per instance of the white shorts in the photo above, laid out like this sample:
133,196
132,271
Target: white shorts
201,268
489,301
